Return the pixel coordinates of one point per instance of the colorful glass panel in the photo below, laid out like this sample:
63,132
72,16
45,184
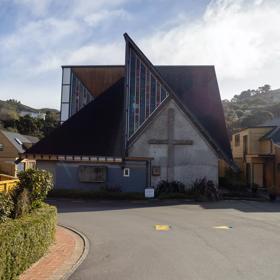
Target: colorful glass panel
145,92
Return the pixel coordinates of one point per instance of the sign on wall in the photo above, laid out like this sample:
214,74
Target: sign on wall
149,193
92,174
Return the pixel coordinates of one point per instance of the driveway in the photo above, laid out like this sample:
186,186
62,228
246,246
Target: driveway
211,241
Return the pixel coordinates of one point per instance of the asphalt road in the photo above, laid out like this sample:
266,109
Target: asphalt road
125,245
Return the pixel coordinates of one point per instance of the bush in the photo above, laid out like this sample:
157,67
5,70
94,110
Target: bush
204,190
31,190
25,240
165,187
233,181
6,206
37,182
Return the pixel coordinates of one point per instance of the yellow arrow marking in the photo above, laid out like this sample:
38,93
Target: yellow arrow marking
162,227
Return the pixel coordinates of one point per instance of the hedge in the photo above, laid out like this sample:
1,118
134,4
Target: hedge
25,240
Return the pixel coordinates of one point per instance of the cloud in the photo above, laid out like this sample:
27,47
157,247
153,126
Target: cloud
240,38
96,18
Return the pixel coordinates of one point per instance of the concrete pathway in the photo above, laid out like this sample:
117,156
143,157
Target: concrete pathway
210,241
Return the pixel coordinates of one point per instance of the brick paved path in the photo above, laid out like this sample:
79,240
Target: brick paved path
61,257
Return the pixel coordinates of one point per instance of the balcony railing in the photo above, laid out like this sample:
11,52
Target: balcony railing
7,183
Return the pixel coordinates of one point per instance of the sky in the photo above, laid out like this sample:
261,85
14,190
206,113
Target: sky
241,38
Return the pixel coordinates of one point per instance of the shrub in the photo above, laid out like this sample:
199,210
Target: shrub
6,206
25,240
233,181
37,182
31,190
204,190
170,187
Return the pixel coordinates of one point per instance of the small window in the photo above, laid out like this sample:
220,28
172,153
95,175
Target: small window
126,172
1,147
237,140
18,141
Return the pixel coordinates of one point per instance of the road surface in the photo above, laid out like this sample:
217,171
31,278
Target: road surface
209,241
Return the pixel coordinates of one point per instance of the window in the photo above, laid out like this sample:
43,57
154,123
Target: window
126,172
237,140
1,147
145,92
92,174
18,141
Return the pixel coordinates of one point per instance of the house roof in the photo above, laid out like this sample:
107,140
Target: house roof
95,130
18,140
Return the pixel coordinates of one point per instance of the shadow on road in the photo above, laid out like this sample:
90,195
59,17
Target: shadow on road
65,205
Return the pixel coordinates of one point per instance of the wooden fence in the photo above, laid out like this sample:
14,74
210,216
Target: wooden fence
7,183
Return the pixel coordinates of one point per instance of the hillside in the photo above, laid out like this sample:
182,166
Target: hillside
15,116
251,108
14,107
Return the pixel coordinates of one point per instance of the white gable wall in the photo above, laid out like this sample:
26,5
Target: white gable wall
191,162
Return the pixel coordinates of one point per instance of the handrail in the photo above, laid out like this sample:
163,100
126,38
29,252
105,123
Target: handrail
7,183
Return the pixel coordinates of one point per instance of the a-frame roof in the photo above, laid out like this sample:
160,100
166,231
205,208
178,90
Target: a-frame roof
98,129
195,89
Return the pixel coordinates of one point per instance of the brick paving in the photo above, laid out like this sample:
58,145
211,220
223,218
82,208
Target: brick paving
61,257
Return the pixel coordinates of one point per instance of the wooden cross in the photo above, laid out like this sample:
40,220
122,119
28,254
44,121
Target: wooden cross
171,142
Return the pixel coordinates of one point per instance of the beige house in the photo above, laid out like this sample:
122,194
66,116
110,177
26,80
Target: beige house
11,146
256,150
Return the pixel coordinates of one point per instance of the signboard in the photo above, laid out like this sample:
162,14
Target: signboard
149,193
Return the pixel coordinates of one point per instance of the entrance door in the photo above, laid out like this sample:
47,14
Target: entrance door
258,174
248,174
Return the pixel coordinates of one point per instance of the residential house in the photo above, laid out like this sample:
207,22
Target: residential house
13,144
256,150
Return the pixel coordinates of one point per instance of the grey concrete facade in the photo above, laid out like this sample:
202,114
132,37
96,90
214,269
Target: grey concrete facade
178,148
66,176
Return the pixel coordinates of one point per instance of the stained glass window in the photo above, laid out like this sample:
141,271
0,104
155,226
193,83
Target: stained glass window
142,92
145,92
80,95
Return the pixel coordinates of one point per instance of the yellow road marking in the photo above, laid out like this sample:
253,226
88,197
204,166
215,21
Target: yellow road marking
162,227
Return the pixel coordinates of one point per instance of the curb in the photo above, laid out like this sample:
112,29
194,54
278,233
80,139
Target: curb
84,254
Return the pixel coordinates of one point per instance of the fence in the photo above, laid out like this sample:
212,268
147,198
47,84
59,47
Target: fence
7,183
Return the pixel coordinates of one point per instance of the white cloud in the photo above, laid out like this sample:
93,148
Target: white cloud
112,53
96,18
240,38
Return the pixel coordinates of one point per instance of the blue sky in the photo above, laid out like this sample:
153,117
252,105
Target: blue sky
240,37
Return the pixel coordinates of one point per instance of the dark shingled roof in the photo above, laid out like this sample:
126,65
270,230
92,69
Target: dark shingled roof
197,89
95,130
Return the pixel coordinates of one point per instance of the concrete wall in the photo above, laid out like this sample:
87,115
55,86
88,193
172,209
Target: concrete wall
191,162
66,176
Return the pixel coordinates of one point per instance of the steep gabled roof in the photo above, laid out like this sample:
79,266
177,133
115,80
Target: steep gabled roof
19,141
196,90
95,130
98,129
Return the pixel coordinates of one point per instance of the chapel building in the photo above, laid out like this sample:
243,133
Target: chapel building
131,126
